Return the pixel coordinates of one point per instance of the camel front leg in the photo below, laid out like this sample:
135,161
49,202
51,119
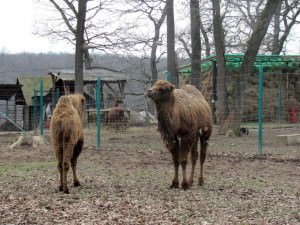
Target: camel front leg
184,149
174,152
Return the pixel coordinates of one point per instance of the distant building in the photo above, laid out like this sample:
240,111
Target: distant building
23,95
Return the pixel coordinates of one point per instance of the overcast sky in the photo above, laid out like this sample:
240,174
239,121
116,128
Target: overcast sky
17,18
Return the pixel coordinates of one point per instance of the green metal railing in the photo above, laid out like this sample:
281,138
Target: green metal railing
260,111
41,108
98,102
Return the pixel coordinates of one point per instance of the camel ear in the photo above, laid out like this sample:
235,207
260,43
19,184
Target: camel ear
171,88
82,99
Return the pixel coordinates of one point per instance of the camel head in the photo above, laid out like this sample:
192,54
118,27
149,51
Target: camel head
160,91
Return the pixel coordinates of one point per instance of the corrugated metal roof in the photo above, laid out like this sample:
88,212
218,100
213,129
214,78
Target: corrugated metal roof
90,75
31,83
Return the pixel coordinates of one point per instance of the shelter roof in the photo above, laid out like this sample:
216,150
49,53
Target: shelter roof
29,84
8,90
90,75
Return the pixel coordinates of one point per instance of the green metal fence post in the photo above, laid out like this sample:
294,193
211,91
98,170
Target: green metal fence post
280,100
168,76
260,110
41,108
98,101
34,112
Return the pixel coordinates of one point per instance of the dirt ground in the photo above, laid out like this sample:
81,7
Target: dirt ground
127,181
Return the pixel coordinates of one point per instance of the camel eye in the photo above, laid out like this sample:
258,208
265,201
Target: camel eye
163,90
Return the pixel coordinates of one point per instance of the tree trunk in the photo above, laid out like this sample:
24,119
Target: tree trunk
196,43
153,60
171,43
79,51
206,39
258,34
278,46
221,101
275,44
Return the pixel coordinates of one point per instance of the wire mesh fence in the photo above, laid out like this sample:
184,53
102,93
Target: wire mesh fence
112,118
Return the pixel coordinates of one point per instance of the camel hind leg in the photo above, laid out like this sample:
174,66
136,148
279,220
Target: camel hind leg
59,156
76,152
203,150
68,149
194,157
174,151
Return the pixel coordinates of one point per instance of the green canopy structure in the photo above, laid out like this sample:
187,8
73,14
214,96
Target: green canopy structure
270,63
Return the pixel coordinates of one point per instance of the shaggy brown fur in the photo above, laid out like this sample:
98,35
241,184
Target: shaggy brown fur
116,117
78,103
183,117
67,136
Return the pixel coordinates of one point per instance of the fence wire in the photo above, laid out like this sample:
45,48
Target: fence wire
121,121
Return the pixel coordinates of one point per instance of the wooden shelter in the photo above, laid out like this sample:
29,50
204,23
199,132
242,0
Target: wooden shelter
55,84
9,109
112,84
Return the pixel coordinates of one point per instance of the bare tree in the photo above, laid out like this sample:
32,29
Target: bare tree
79,16
196,43
219,38
205,27
260,27
79,51
259,32
205,38
156,12
285,18
182,36
171,43
253,45
156,41
102,30
244,14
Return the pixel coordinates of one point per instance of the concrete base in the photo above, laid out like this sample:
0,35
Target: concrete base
289,139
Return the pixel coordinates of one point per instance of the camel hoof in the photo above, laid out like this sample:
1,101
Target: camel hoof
190,183
66,190
77,183
184,185
201,181
175,184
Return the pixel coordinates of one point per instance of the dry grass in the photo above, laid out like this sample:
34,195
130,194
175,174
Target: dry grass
127,180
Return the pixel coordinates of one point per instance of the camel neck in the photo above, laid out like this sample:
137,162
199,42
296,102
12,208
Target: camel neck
165,106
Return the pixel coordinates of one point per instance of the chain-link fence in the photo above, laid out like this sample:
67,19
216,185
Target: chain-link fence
109,117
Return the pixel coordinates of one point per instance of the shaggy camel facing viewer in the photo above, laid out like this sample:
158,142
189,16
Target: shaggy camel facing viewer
183,116
67,136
